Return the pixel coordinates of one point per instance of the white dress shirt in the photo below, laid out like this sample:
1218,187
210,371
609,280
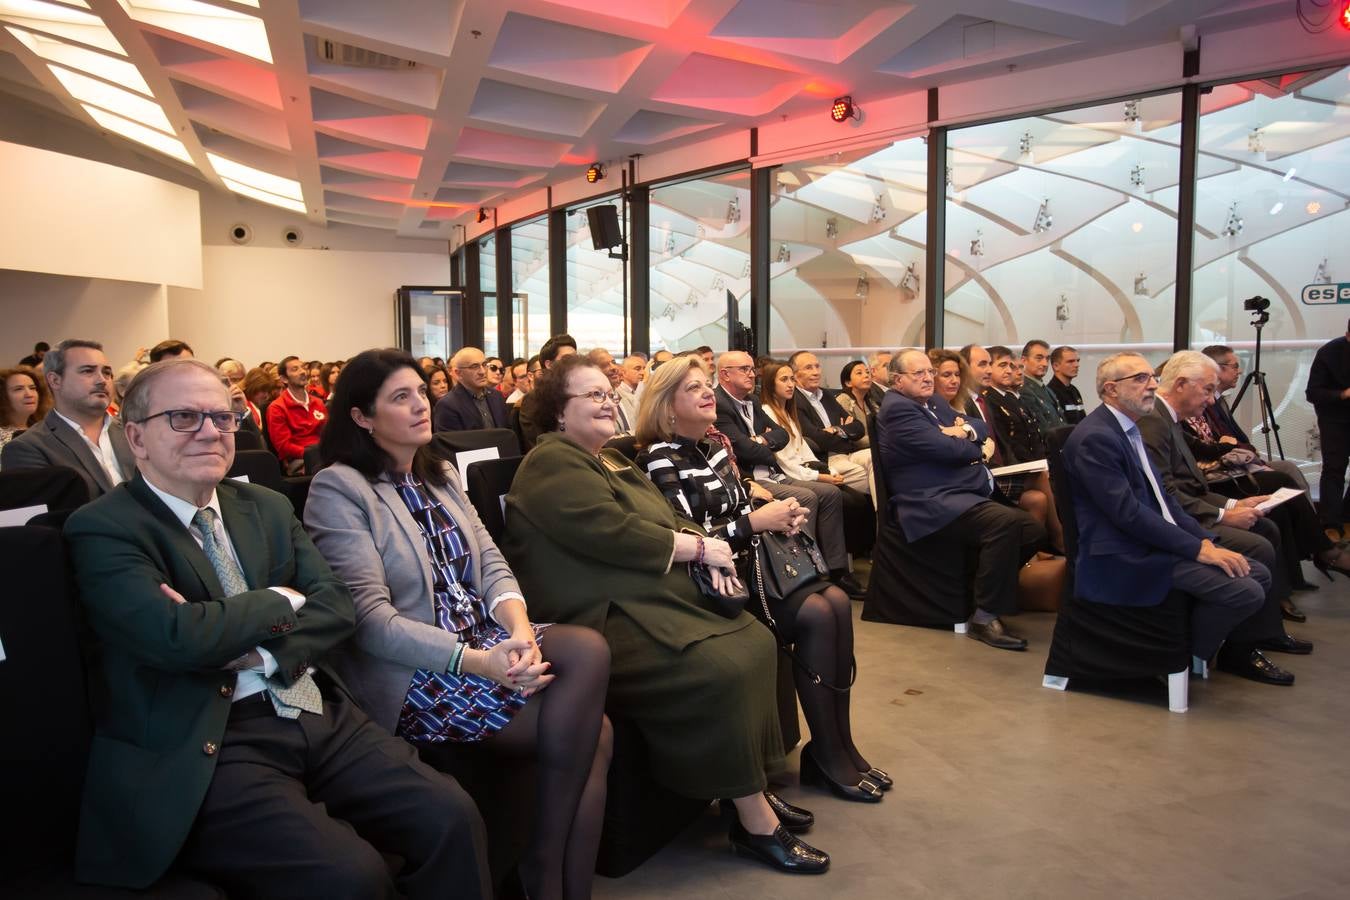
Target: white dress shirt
103,450
249,681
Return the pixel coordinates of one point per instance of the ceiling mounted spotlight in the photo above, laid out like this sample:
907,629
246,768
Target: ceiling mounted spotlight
733,210
1323,275
862,288
878,211
843,109
831,228
1234,224
784,254
1137,176
1256,141
595,173
482,214
1043,218
910,280
1024,144
1131,111
1141,285
977,245
1062,311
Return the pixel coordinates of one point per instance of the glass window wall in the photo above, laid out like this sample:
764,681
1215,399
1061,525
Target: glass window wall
487,286
1273,188
846,253
529,287
700,253
595,313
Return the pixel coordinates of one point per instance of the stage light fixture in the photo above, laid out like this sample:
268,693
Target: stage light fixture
595,173
843,109
482,214
1345,17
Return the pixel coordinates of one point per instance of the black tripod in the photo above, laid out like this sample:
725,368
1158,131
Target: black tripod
1260,317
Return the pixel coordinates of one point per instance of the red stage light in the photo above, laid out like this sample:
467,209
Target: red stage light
595,173
1345,16
843,109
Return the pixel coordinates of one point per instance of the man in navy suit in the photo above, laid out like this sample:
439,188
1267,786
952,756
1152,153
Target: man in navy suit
1135,542
471,404
940,491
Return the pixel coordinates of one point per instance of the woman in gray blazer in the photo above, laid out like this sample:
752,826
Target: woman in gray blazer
443,649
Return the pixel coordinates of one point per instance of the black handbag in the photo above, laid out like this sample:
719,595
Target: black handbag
781,564
726,606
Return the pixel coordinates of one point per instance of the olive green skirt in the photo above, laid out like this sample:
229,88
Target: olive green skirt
709,713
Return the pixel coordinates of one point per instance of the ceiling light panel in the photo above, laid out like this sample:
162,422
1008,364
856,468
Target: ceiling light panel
114,99
90,62
237,31
264,196
139,133
229,170
62,21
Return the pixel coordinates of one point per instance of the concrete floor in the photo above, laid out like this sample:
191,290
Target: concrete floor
1005,789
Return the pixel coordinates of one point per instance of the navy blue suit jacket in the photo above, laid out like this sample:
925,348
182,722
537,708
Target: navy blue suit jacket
932,477
1126,549
457,411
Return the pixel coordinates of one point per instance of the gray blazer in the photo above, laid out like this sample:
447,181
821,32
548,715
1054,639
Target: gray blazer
52,442
1182,478
373,543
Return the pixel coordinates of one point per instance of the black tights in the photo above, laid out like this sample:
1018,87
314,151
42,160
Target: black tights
822,637
564,729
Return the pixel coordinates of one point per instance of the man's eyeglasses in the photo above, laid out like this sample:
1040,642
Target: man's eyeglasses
921,373
471,367
744,370
191,420
599,397
1139,378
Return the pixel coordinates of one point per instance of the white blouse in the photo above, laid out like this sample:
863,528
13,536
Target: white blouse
793,458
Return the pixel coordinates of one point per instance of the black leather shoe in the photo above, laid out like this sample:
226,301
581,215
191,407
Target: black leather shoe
781,850
1258,668
879,778
995,634
793,818
865,791
849,585
1292,612
1287,643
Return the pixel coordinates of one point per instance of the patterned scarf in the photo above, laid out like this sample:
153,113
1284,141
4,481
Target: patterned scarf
724,442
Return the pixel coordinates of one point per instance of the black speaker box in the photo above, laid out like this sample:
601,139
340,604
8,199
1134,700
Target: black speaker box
604,223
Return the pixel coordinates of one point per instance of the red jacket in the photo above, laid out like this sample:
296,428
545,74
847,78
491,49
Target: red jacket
294,426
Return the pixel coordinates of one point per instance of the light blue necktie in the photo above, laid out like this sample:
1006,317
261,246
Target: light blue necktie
304,694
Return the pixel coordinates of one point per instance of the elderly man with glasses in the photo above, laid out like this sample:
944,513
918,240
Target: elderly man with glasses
932,460
471,404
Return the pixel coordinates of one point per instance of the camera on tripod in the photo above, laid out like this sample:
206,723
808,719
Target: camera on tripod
1256,304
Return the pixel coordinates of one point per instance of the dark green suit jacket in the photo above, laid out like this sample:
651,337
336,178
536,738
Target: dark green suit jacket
166,695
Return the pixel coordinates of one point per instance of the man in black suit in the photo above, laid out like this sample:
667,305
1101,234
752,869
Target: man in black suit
1329,393
471,404
825,425
1188,381
226,745
78,432
1064,361
754,439
1225,425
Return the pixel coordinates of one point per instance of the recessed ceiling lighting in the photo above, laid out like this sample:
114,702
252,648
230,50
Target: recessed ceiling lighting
139,133
1313,207
114,99
1137,227
264,196
88,61
263,181
1275,210
1288,175
237,31
62,21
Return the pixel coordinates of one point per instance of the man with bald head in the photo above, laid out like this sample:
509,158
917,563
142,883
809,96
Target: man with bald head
932,460
623,423
1135,540
471,404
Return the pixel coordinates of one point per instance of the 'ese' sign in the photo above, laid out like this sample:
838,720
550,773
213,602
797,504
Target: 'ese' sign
1326,294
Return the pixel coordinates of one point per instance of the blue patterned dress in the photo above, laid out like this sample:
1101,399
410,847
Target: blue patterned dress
440,706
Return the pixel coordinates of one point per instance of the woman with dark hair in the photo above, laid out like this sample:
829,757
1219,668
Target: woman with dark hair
438,384
777,396
857,398
24,401
693,465
328,374
596,544
443,650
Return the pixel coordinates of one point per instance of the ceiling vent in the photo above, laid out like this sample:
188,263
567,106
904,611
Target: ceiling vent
358,57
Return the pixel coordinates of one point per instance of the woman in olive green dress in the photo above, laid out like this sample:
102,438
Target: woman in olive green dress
592,542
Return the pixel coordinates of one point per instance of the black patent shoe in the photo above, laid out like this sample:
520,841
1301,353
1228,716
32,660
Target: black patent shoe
1286,643
781,850
1258,668
996,634
880,778
793,818
865,791
1289,611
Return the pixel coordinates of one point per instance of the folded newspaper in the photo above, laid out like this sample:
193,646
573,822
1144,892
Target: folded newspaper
1036,465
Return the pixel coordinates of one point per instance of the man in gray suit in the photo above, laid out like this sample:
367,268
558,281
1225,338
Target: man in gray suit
78,432
1189,379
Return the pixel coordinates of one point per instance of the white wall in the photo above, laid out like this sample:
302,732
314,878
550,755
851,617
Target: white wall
122,315
265,303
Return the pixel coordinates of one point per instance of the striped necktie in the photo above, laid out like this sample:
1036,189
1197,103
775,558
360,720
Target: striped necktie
304,694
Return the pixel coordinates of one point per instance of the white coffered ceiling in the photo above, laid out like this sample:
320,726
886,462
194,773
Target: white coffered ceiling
407,114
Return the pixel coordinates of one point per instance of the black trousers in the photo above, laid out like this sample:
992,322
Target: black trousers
1335,457
1003,537
825,524
1261,546
305,807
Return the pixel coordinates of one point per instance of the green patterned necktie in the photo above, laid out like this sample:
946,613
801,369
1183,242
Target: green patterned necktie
304,694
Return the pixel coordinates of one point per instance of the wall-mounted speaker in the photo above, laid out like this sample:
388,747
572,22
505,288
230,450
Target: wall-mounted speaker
604,225
241,233
293,236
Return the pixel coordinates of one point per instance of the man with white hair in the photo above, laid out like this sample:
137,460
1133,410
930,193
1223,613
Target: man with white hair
1136,543
1189,380
471,404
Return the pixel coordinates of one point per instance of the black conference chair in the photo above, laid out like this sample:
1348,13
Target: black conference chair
313,461
247,438
43,758
913,583
448,445
1101,642
55,487
263,468
489,481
